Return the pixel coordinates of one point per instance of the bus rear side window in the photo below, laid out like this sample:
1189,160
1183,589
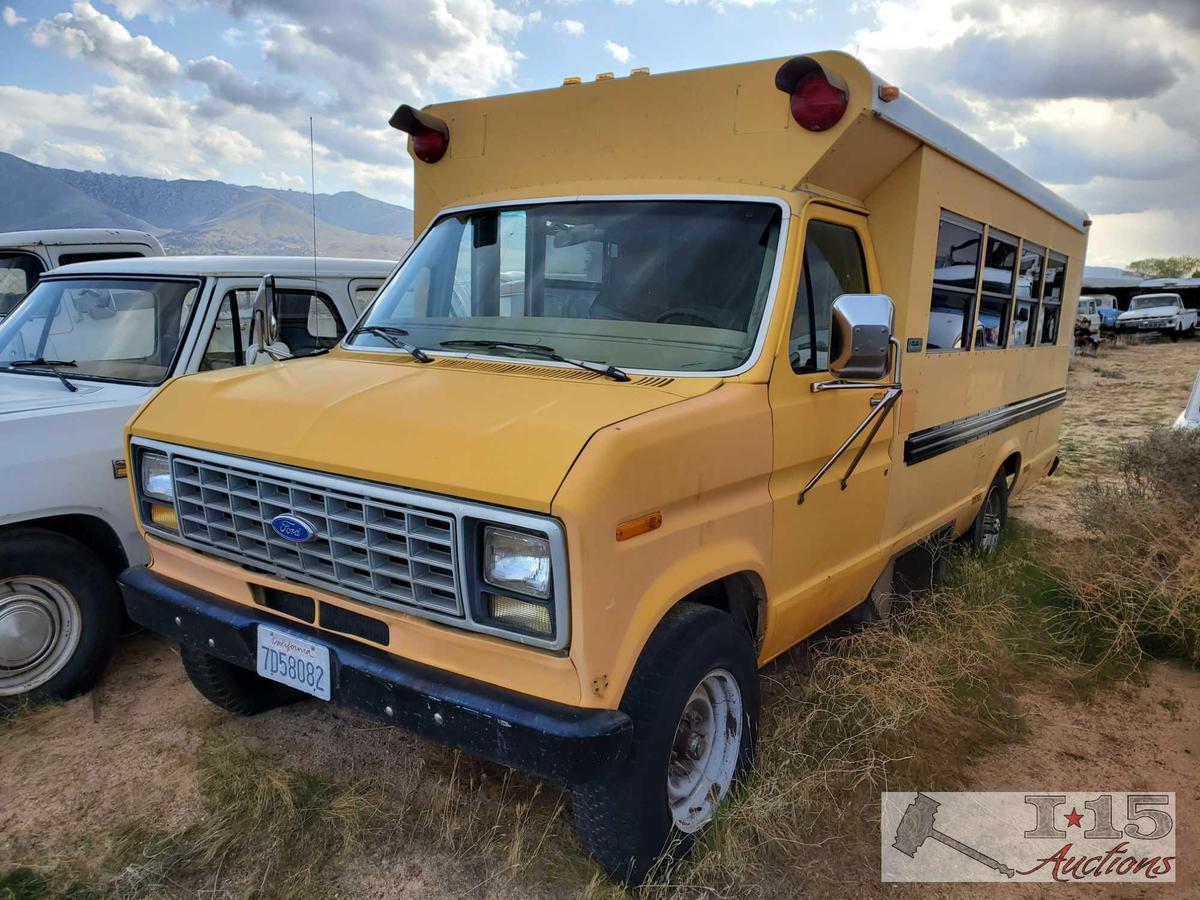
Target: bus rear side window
955,283
1056,276
1029,293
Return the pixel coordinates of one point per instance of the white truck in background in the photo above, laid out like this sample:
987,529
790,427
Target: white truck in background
84,350
1162,313
25,255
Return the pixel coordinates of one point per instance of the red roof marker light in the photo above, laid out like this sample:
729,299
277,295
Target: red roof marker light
430,135
818,101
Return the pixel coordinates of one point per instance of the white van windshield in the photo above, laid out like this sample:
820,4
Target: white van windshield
666,285
105,328
19,272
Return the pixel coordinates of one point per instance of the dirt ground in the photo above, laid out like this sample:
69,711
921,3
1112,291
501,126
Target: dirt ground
72,776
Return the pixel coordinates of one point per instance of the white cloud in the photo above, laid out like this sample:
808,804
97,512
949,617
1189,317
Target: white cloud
11,19
86,33
532,18
227,85
128,9
623,2
618,52
573,27
282,180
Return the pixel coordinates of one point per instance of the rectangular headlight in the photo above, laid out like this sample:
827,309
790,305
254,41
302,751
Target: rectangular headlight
515,561
156,477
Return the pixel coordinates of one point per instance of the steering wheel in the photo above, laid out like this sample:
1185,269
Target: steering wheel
683,315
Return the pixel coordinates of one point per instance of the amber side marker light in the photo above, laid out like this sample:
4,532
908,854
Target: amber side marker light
640,525
818,98
888,93
430,135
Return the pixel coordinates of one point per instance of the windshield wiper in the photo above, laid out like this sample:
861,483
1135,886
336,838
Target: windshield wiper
49,365
392,335
540,350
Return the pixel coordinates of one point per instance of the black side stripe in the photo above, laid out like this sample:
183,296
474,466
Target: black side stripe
930,442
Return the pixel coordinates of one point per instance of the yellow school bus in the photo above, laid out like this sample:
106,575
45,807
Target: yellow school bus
680,369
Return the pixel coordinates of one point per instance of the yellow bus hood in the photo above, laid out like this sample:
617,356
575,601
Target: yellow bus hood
492,432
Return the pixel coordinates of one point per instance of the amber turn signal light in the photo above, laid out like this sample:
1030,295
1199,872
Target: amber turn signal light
640,525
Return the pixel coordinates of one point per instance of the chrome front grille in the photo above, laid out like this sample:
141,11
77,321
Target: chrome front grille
393,554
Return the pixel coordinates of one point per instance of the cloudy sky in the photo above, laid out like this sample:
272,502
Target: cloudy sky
1099,98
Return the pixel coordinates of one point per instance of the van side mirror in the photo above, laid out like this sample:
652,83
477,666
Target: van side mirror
861,335
264,324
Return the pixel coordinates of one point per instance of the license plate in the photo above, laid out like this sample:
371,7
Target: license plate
294,661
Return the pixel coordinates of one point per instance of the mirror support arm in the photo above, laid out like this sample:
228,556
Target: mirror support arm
873,420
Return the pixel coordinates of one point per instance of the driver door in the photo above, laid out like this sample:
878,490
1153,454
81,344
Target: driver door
826,551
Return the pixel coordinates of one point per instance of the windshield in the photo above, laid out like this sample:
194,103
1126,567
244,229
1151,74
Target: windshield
18,274
668,285
112,329
1151,302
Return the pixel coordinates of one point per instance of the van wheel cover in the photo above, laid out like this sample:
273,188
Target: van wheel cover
39,631
704,753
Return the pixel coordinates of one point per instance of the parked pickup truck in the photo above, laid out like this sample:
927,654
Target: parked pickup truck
1106,307
90,343
1163,313
25,255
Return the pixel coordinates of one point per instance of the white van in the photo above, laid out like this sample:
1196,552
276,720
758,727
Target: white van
25,255
90,343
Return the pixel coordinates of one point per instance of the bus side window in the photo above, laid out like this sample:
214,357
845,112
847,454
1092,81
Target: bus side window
1056,276
833,265
1029,292
955,283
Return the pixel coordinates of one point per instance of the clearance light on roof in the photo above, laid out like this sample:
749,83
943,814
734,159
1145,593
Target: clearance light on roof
888,93
430,135
819,99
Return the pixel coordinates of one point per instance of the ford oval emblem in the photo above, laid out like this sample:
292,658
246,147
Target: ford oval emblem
294,528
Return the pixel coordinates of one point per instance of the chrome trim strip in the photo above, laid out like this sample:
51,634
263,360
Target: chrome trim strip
768,310
938,439
462,511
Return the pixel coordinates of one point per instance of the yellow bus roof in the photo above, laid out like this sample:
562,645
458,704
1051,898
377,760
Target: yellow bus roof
724,129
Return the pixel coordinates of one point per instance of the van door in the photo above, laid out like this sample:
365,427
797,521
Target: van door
826,551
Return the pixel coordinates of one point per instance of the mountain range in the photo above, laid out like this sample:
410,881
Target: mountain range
205,217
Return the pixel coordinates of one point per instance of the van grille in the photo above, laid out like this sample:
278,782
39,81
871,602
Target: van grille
394,555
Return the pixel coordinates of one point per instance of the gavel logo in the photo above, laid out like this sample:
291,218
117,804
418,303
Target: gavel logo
916,826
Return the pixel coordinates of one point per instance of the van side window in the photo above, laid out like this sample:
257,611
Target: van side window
955,283
833,265
1029,293
1056,276
231,332
995,304
66,259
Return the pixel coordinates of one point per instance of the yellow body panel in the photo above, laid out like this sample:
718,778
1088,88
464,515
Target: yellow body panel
722,460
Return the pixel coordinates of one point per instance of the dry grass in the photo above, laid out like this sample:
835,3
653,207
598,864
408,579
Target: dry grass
1134,584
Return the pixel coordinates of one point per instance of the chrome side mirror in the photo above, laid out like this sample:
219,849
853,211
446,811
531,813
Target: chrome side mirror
861,335
264,317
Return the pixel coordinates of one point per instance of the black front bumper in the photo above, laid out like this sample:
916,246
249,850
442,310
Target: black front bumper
551,740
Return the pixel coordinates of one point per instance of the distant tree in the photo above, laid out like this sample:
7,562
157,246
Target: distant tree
1167,267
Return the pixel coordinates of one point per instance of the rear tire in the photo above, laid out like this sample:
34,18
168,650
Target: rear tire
60,616
233,688
694,700
989,524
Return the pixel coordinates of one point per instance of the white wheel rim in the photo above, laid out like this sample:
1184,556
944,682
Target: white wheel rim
704,754
39,632
992,524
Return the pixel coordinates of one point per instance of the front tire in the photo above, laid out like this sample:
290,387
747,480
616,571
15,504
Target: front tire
694,701
60,616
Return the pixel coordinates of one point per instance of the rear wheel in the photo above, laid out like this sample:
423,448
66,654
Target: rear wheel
993,515
233,688
60,616
694,701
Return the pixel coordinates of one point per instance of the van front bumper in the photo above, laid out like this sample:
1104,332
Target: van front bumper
550,740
